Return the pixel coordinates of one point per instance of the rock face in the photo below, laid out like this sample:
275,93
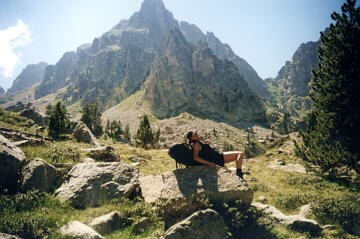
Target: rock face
29,76
55,75
83,134
11,158
92,184
40,175
110,222
191,79
76,229
193,35
34,115
182,184
292,84
201,225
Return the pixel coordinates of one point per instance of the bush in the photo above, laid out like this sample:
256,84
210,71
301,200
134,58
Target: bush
27,214
292,201
344,211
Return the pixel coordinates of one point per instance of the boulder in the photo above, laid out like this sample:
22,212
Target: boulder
78,230
34,115
294,222
91,184
83,134
7,236
40,175
184,183
106,154
200,225
110,222
11,158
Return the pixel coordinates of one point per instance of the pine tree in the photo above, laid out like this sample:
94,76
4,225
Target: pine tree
127,135
59,122
332,137
91,116
145,137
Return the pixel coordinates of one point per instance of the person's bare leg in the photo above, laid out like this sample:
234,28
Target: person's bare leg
236,156
239,160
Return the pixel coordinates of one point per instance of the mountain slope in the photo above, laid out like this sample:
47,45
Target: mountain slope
29,76
193,79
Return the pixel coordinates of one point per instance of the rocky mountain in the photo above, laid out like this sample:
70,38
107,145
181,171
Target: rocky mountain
29,76
118,63
292,84
193,35
193,79
2,91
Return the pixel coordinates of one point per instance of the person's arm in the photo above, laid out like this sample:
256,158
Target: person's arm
197,148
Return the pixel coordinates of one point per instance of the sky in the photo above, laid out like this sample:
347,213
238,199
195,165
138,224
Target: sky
266,33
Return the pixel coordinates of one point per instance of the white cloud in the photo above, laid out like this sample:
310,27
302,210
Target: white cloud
11,38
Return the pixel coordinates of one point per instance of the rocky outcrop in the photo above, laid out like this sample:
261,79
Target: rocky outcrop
92,184
83,134
110,222
38,174
193,35
179,187
295,222
55,75
19,106
76,229
34,115
7,236
200,225
191,79
29,76
11,158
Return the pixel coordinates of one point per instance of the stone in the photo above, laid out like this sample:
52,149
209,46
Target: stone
297,168
110,222
141,225
305,210
91,184
40,175
11,158
105,154
78,230
294,222
262,199
83,134
177,192
200,225
8,236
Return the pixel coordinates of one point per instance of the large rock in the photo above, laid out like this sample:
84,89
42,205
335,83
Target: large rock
110,222
201,225
105,153
184,183
11,158
40,175
7,236
91,184
83,134
76,229
295,222
34,115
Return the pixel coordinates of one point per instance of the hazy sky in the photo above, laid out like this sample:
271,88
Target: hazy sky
266,33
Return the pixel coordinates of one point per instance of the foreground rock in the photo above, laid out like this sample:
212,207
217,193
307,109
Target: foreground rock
294,222
40,175
83,134
184,183
110,222
7,236
201,225
79,230
11,158
92,184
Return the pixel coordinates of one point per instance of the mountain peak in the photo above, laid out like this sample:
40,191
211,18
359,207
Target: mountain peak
152,4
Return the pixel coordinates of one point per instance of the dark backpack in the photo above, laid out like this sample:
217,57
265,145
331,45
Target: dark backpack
182,154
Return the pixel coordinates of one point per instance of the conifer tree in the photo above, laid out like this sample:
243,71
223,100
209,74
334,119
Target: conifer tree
332,137
145,137
91,116
59,122
127,135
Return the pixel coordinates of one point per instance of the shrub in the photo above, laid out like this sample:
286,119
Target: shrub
344,211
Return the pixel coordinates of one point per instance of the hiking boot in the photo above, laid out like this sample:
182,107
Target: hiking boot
239,173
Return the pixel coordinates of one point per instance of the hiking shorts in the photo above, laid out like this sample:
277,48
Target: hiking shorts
217,159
